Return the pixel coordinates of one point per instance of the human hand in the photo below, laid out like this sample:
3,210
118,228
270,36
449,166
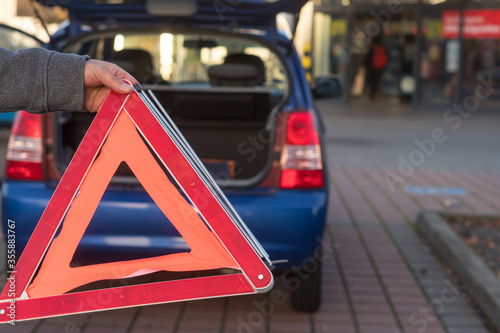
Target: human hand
99,77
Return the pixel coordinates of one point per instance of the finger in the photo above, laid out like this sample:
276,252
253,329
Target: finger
114,83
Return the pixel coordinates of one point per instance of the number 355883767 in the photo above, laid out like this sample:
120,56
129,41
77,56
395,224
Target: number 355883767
11,244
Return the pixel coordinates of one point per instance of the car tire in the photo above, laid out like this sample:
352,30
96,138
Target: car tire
306,295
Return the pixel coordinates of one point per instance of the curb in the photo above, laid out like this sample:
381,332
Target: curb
482,284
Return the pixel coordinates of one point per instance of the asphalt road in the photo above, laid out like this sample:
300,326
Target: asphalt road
386,135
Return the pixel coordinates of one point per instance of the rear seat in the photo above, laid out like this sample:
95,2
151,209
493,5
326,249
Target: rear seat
238,70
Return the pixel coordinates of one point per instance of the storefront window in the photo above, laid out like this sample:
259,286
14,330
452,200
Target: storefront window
439,62
449,68
338,33
481,59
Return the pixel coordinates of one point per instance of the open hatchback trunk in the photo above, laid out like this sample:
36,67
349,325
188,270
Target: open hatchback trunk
224,92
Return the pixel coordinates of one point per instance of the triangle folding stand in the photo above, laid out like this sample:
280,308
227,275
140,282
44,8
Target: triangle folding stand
134,129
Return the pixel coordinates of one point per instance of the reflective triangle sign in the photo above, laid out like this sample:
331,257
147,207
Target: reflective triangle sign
136,130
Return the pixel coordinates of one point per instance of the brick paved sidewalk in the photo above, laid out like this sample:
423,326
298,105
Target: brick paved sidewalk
380,277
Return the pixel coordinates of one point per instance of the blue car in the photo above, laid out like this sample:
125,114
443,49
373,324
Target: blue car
234,85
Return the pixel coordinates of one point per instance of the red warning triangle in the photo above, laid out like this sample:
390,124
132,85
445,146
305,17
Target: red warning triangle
125,130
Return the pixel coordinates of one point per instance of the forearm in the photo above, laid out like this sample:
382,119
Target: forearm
38,80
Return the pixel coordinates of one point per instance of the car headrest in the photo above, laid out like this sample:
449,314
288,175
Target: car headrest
139,63
249,59
233,75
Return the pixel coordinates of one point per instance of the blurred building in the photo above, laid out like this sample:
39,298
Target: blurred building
432,58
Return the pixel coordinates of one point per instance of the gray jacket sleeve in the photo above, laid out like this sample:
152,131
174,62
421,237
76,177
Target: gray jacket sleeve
37,80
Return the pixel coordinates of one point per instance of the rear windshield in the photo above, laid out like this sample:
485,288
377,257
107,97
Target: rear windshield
190,59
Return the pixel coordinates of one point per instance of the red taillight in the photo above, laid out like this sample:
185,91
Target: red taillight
300,129
24,151
301,161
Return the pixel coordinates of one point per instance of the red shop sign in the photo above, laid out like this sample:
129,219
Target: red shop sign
478,23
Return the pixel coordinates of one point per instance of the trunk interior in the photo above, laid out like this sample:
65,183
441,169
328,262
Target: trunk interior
226,127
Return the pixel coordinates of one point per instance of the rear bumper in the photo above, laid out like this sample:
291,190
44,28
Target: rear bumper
288,224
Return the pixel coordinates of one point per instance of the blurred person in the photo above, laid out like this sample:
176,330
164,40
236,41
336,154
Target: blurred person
375,63
38,81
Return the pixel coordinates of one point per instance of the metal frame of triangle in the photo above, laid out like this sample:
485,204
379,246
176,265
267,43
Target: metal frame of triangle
165,140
